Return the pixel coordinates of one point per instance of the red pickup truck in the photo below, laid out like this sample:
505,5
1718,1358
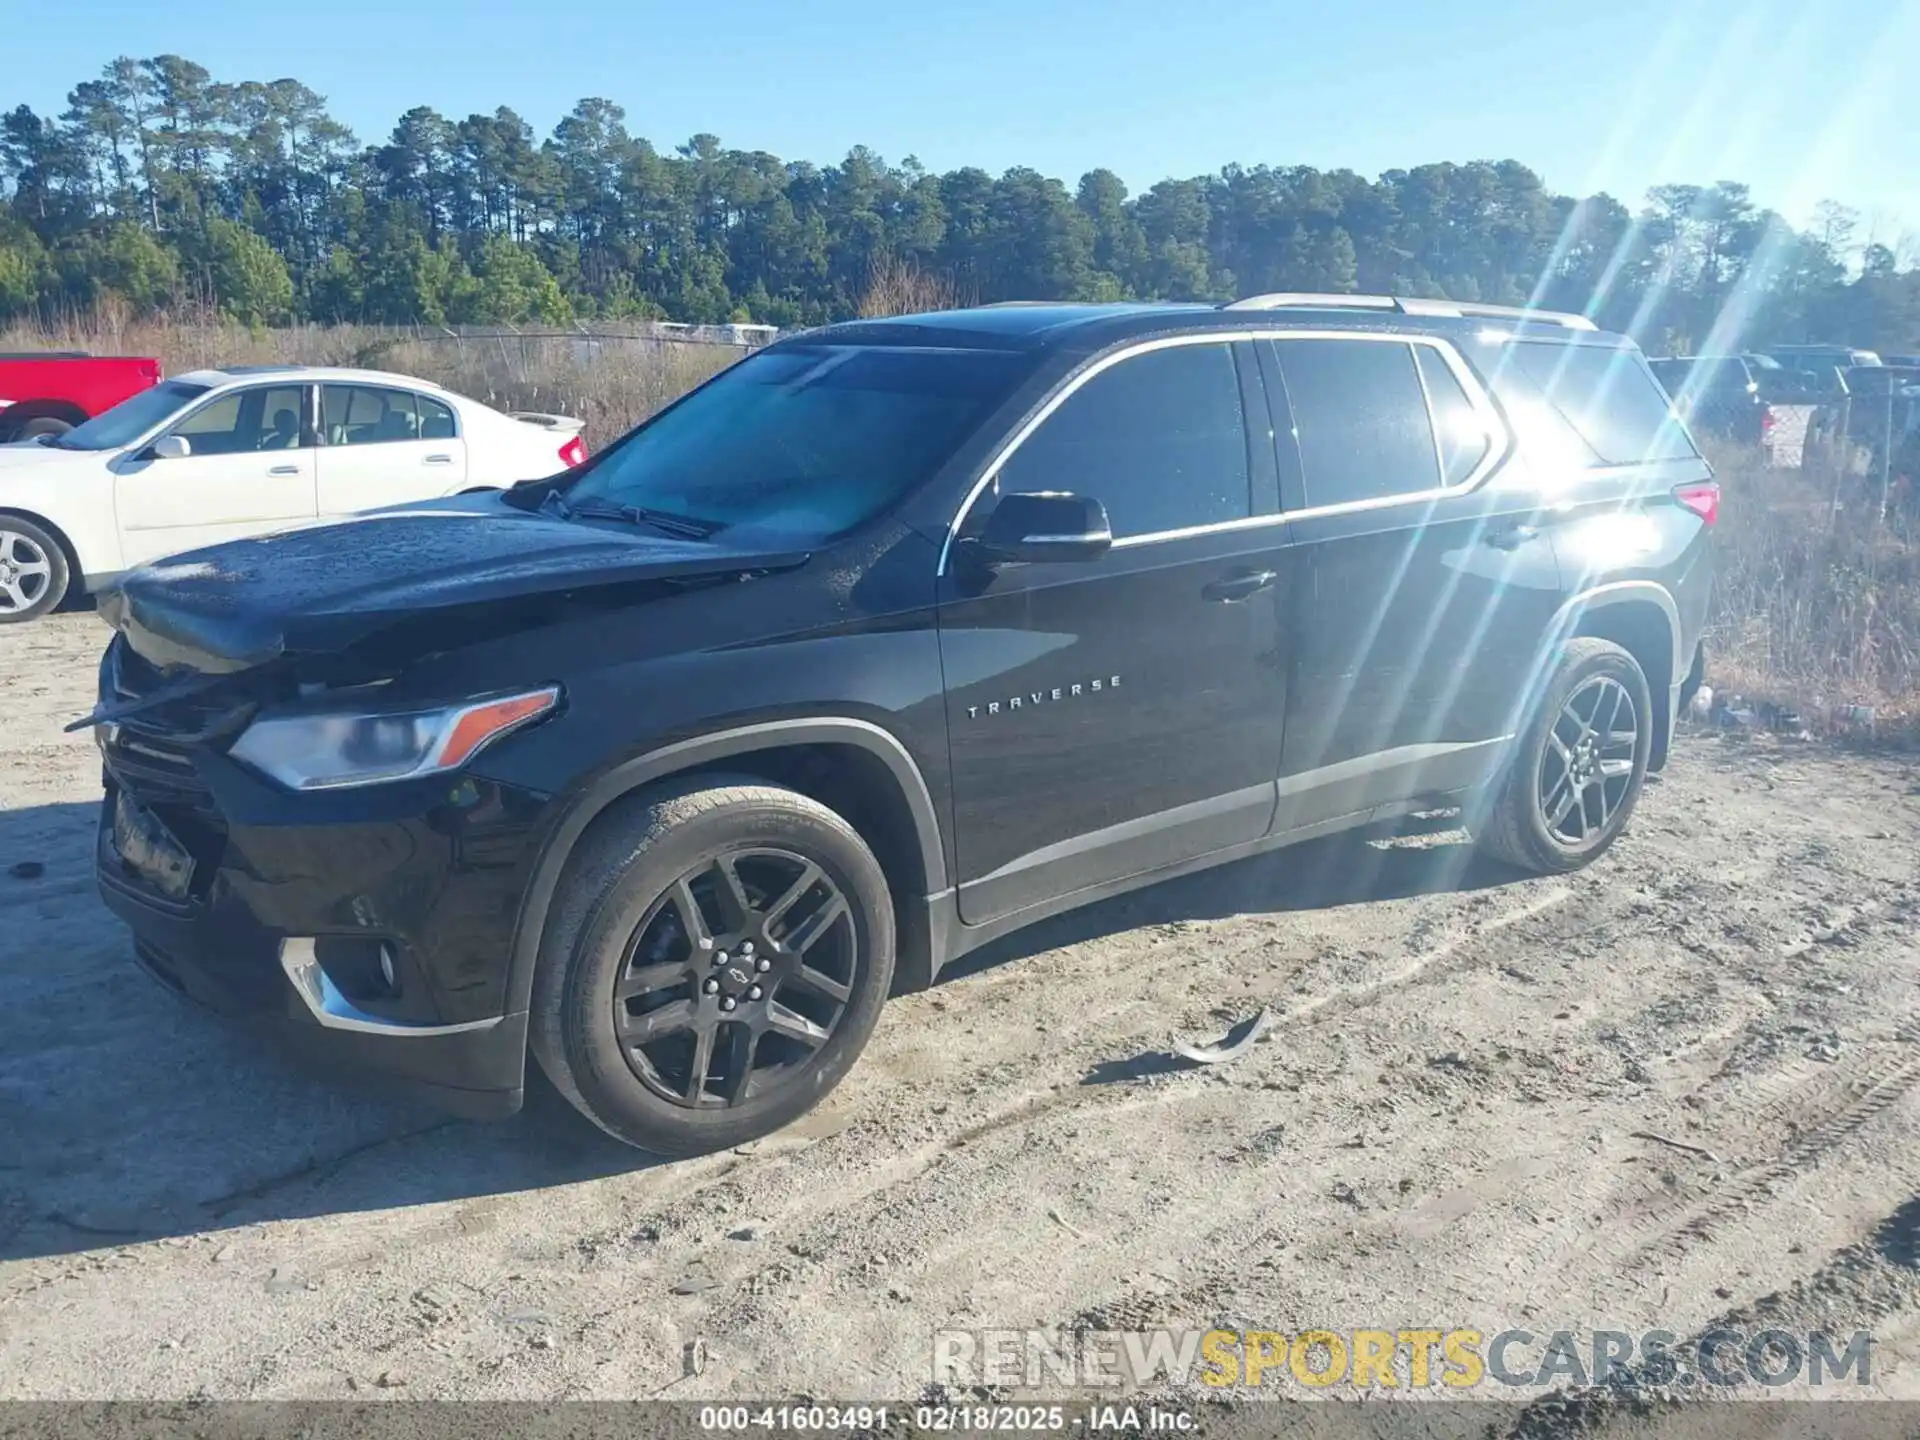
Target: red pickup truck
48,393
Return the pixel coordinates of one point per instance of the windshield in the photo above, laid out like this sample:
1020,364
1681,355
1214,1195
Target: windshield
126,422
803,440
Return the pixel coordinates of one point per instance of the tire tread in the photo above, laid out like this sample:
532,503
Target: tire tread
618,842
1505,830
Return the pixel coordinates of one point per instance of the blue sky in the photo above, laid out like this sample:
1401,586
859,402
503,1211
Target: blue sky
1803,100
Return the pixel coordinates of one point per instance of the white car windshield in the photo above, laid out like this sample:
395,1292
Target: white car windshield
126,422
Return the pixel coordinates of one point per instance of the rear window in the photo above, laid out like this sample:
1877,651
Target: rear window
1671,373
1587,405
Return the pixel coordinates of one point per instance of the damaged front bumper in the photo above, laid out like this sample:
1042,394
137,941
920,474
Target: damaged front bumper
372,931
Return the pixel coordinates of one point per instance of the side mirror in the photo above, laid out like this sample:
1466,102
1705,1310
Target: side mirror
171,447
1039,526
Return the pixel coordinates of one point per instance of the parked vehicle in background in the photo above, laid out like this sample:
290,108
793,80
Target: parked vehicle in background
50,393
890,639
1720,394
1883,417
221,454
1821,358
1747,399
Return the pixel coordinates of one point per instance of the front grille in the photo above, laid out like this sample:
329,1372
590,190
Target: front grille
150,756
201,708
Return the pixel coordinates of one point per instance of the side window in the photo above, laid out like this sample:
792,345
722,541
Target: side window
368,415
1360,417
436,420
246,420
1158,439
1460,429
213,429
280,418
1599,393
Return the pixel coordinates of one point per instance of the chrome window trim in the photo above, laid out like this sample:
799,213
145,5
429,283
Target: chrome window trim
1500,436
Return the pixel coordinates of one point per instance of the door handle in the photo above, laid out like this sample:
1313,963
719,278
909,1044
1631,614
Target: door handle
1510,537
284,470
1239,587
438,460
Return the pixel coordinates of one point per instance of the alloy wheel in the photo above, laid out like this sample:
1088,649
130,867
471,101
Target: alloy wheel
1586,767
26,571
736,978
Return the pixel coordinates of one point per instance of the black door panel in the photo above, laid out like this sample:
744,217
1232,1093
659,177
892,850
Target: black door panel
1111,716
1415,622
1411,650
1111,720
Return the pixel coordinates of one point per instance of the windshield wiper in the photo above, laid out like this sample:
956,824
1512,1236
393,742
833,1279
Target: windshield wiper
686,527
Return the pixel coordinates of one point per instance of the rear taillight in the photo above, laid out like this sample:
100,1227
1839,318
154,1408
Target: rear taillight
1702,500
574,452
1767,421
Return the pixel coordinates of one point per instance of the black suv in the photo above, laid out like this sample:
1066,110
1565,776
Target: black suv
893,637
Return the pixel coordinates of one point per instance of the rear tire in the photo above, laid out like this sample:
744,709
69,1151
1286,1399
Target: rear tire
1576,772
33,571
689,911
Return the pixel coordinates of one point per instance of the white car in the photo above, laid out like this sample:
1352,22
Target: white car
221,454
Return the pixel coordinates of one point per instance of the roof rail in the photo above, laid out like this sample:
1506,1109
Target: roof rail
1448,309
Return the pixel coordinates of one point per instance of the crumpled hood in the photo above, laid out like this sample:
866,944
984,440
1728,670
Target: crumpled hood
319,589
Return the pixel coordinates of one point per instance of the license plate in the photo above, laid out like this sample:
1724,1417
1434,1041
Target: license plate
148,849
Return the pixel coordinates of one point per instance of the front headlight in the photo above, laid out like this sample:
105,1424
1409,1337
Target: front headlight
327,749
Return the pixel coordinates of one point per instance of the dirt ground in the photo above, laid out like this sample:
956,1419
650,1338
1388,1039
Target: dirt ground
1465,1114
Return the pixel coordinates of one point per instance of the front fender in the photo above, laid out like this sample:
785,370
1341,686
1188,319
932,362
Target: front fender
76,505
741,741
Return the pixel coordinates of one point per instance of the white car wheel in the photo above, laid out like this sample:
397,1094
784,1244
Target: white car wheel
33,571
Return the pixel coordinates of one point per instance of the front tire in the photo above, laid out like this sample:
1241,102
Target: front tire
714,962
33,571
1576,772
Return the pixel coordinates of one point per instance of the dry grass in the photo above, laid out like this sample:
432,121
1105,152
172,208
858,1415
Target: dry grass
901,287
1814,608
612,384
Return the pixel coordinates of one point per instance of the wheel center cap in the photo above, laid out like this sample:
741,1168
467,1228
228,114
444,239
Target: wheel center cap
738,974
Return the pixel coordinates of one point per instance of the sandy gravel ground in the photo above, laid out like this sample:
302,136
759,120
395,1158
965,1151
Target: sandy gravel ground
1446,1126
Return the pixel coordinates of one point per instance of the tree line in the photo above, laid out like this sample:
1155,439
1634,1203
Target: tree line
167,188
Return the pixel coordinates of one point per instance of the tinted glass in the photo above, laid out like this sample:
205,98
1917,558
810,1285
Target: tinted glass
1602,394
1672,374
436,420
1158,439
245,421
132,418
1460,429
212,426
805,440
1360,417
368,415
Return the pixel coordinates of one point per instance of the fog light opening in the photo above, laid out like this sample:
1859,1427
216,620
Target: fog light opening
387,971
